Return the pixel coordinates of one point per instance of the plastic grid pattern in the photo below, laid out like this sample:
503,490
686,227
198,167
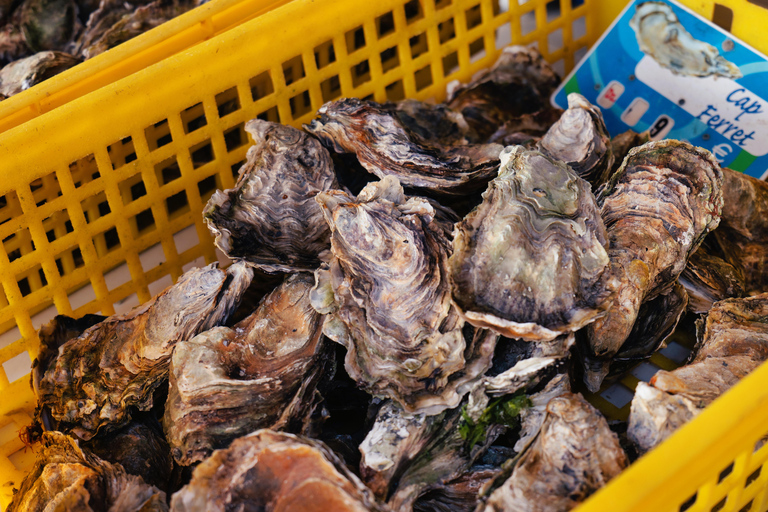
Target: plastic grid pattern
101,197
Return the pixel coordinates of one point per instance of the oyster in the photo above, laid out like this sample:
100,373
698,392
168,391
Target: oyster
132,24
661,36
117,365
387,146
274,471
520,82
48,24
526,129
580,139
271,218
433,123
263,372
530,262
457,495
733,342
389,300
621,144
12,44
574,454
23,74
708,279
743,230
657,209
65,477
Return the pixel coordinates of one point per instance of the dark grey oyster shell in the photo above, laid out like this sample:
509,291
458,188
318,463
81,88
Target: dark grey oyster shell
268,470
389,144
388,299
65,477
574,454
526,129
708,279
732,342
24,73
580,139
520,82
48,24
12,43
117,365
271,219
261,373
530,262
743,229
657,209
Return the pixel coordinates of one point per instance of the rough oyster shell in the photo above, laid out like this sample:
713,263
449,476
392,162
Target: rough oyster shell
743,230
47,24
67,478
621,144
530,262
23,74
386,146
389,300
12,44
270,219
733,342
274,471
526,129
118,364
520,82
661,36
263,372
708,279
580,139
657,209
574,454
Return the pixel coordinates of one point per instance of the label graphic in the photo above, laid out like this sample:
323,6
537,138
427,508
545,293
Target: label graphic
723,109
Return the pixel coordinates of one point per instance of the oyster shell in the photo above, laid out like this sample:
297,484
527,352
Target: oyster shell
520,82
389,301
743,230
574,454
24,73
274,471
526,129
270,219
263,372
530,262
433,123
65,477
733,342
657,209
117,365
661,36
621,144
457,495
387,146
131,24
12,44
708,279
580,139
47,24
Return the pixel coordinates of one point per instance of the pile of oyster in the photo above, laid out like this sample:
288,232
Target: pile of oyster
42,38
417,294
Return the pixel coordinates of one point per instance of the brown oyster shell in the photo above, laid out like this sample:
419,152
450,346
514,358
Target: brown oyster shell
261,373
708,278
520,82
118,364
743,230
580,139
530,262
387,146
24,73
280,472
271,219
574,455
389,302
526,129
733,342
657,209
621,144
65,477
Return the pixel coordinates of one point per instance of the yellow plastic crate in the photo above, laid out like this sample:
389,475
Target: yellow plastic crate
100,197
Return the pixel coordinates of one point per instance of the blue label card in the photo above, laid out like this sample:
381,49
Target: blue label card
662,68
